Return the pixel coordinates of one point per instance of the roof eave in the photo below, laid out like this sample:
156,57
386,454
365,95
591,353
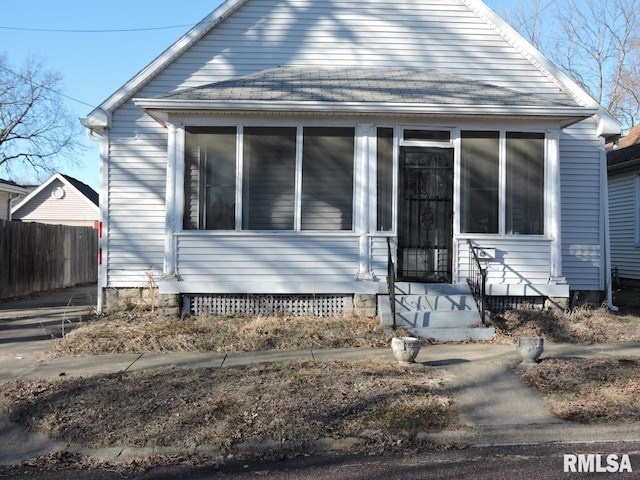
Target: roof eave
627,164
6,187
145,75
160,109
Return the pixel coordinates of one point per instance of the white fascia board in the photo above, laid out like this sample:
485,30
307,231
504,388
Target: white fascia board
160,108
609,125
145,75
45,184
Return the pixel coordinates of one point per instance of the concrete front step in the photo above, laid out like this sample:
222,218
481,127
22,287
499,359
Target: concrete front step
410,288
435,303
455,334
441,319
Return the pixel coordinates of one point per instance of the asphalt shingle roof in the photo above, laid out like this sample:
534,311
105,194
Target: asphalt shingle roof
297,84
85,189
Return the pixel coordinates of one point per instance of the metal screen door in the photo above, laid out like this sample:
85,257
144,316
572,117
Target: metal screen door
425,214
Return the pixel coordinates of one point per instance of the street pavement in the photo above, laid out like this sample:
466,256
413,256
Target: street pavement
496,408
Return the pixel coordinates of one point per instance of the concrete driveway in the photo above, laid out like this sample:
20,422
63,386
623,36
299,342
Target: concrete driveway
30,325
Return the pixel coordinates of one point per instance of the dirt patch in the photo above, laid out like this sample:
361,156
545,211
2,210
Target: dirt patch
286,406
145,332
605,390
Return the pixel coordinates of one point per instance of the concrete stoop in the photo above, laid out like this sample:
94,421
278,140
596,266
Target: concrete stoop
441,312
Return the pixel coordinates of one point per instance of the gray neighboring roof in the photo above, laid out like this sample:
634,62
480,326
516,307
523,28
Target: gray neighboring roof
361,85
12,187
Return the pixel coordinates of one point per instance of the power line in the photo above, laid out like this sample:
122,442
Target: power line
526,20
45,87
115,30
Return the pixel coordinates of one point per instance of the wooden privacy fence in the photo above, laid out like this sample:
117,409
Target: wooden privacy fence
35,257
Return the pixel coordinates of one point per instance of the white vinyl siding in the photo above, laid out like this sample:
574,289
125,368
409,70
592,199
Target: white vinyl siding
624,211
444,35
517,262
582,229
251,262
136,223
5,205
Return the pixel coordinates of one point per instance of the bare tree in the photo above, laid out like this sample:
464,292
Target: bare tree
36,129
594,41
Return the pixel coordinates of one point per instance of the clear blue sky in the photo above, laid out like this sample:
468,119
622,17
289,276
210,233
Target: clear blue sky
95,65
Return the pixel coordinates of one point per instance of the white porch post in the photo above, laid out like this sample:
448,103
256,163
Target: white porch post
554,207
365,150
170,204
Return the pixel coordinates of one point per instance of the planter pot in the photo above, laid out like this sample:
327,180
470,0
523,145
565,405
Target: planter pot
405,349
530,349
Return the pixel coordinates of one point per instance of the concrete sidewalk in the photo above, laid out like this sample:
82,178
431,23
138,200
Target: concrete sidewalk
496,407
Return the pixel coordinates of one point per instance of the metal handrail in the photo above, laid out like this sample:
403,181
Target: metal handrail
391,282
477,281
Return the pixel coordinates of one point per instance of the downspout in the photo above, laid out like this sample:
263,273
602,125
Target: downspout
607,234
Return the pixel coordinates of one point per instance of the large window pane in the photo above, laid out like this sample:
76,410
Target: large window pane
525,183
480,164
210,178
268,195
327,179
385,179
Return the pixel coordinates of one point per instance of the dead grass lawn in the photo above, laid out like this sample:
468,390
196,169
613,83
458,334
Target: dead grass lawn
605,390
285,406
145,332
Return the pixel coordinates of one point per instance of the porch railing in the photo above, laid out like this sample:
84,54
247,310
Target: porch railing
391,283
477,281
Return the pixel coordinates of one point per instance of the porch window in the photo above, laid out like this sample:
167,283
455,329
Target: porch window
525,183
480,180
290,179
385,179
485,160
269,178
210,180
327,179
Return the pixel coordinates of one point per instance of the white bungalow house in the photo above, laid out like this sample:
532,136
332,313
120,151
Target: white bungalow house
280,149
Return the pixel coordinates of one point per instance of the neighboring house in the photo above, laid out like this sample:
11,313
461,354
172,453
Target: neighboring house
61,200
279,145
624,205
8,191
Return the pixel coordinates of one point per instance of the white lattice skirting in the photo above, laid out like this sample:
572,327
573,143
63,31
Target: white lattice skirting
294,305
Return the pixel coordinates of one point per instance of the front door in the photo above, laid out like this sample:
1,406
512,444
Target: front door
425,213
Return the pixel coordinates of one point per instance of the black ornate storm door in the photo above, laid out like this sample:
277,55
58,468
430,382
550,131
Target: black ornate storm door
425,214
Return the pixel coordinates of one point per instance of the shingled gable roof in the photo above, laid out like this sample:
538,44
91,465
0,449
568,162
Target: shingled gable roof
356,85
364,91
100,118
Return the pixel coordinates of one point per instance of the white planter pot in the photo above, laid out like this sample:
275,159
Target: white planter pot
405,349
530,349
